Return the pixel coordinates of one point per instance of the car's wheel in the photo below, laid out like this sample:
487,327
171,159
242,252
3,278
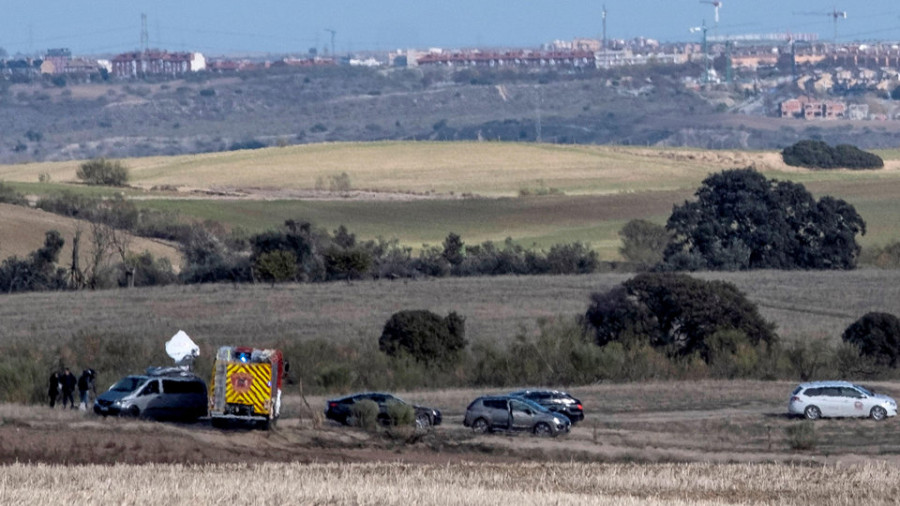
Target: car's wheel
481,425
878,413
542,429
812,413
423,421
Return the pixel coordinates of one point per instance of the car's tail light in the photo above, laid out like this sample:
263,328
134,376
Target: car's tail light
332,404
579,407
795,399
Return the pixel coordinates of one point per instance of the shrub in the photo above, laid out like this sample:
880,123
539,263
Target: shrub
148,271
424,336
101,171
643,242
248,144
365,414
877,335
814,154
676,313
400,414
802,436
276,266
8,195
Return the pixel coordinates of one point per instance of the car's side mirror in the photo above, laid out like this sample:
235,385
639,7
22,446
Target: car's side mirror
528,412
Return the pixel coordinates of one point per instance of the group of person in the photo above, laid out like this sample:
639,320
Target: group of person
62,387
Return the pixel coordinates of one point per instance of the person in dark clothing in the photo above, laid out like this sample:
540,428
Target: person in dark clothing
68,383
85,387
53,389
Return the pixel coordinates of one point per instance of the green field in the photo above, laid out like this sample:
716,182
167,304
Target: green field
420,192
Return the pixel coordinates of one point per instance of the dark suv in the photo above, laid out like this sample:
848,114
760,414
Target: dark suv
556,401
339,409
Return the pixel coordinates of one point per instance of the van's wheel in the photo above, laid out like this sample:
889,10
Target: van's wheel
542,430
812,413
481,426
878,413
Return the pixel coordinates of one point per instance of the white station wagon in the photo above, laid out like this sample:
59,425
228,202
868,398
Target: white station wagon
839,399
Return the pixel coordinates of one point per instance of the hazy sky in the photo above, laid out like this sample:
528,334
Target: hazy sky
224,26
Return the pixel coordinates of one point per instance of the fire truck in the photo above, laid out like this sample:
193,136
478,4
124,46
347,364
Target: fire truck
246,386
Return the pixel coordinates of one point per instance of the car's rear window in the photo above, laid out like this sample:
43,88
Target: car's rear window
796,390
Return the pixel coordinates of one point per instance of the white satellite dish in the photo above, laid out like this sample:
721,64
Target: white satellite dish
182,350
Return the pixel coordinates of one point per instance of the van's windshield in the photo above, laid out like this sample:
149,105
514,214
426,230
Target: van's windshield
128,384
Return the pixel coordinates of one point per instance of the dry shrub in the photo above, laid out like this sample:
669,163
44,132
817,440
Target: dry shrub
802,436
365,414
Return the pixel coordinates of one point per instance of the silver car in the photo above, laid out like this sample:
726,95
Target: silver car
161,395
510,413
839,399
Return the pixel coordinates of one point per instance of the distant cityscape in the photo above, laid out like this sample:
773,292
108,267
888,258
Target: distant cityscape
822,73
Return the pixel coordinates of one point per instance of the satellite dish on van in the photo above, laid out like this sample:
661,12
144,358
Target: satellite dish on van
182,350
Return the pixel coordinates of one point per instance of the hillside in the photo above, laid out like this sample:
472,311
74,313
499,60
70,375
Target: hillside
22,231
418,192
213,113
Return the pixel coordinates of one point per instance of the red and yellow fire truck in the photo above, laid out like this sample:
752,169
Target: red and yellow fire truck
246,386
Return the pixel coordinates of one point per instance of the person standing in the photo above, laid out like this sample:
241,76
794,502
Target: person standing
68,383
85,386
53,388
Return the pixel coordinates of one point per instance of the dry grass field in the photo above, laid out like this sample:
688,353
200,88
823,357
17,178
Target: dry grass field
457,484
803,304
22,231
709,442
489,169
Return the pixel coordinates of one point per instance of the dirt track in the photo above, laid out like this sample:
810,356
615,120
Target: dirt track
689,429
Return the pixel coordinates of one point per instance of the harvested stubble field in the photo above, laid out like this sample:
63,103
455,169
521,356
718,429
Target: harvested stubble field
709,442
462,484
803,304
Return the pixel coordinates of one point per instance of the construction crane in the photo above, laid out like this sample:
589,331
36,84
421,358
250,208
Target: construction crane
703,28
333,33
834,14
716,4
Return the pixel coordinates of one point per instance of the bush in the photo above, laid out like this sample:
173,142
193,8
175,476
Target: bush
877,335
676,313
424,336
8,195
643,242
819,155
365,414
101,171
148,271
276,266
400,414
802,436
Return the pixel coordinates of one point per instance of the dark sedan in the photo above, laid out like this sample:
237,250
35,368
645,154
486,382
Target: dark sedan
339,409
556,401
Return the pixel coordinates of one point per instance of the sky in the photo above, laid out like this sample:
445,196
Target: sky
93,27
